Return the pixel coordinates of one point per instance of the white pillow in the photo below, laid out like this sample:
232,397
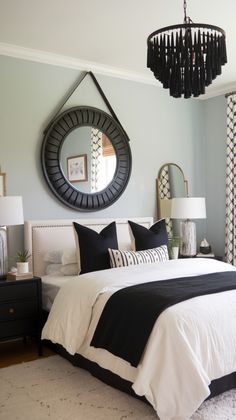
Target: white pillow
70,269
54,270
69,256
62,270
54,256
127,258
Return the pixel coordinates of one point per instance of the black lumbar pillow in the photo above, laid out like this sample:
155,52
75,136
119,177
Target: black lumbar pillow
93,247
149,238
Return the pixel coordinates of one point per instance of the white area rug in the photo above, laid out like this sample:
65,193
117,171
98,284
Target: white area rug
52,388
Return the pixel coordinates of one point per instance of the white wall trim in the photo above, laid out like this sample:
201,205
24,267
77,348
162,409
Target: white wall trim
221,90
73,63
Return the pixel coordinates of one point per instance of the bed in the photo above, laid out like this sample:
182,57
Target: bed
186,359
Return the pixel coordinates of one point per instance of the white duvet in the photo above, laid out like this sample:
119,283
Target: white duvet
191,344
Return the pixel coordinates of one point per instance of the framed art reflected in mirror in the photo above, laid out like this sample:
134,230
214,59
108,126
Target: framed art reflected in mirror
77,168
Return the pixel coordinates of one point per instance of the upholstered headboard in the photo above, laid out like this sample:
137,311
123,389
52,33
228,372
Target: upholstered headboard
44,235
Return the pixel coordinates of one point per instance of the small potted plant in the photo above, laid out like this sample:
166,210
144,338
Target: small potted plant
174,242
22,262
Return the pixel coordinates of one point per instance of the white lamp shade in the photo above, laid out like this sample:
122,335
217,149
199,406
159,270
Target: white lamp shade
11,211
188,208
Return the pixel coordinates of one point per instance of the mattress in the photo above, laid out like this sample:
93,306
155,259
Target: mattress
50,287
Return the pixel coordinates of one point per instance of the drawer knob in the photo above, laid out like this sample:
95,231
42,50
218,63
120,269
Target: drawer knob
11,311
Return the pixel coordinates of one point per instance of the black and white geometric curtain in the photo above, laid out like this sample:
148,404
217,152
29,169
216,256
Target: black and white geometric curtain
230,231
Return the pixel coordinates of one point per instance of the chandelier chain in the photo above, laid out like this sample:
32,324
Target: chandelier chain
185,15
187,19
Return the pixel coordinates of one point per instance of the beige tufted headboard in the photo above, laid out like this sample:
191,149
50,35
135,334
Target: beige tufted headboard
44,235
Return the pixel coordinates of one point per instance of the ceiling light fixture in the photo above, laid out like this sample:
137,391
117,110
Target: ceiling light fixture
186,58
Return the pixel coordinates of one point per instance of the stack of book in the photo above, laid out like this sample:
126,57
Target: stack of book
210,255
17,276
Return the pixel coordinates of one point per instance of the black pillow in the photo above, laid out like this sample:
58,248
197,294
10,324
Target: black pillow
149,238
93,247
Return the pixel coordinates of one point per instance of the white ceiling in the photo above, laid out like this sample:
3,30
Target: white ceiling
107,36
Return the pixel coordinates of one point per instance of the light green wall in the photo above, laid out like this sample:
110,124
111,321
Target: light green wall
161,129
215,126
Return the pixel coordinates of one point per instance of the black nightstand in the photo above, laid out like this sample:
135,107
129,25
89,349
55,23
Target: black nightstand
215,257
21,309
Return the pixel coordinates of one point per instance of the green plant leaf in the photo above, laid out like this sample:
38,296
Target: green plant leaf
173,241
23,256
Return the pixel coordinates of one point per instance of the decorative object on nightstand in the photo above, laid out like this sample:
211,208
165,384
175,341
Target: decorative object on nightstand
173,245
188,208
205,248
22,262
11,214
209,255
14,275
21,309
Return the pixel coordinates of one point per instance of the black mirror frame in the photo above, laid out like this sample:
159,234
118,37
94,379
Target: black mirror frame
50,158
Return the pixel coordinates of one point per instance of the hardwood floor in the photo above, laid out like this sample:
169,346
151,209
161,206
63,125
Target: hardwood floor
18,351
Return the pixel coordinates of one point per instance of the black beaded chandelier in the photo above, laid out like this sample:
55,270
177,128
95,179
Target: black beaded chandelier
186,58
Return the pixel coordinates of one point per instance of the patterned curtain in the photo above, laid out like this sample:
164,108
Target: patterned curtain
230,236
96,155
165,193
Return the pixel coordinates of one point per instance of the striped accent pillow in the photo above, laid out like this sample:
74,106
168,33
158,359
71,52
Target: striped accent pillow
126,258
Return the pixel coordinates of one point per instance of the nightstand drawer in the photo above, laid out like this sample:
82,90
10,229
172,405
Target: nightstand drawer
18,310
19,327
21,309
19,291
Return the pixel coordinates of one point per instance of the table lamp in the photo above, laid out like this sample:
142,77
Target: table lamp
188,208
11,214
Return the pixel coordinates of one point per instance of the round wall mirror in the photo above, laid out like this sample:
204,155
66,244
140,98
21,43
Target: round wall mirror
86,158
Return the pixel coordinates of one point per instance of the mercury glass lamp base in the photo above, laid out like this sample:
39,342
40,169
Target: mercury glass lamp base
188,241
3,252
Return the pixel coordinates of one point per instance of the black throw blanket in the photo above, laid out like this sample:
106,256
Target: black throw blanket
130,313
